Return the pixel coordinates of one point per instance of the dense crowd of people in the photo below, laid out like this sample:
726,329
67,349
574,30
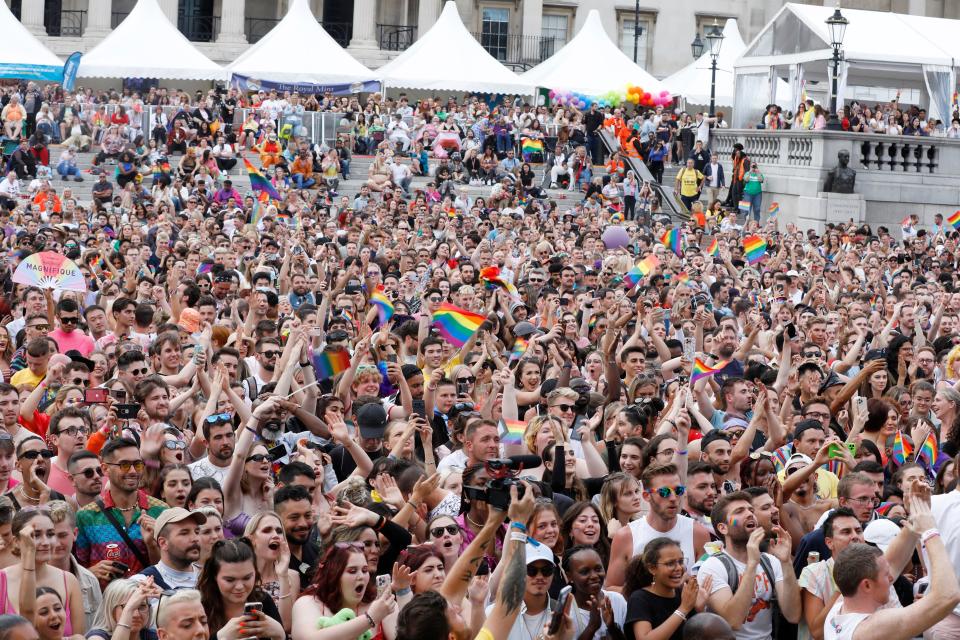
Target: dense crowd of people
416,414
888,118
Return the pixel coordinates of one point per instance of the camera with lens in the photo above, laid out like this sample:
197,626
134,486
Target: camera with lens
503,474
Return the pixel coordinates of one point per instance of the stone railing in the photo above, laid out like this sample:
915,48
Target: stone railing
868,152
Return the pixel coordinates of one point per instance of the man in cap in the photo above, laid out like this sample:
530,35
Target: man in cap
371,421
536,595
178,536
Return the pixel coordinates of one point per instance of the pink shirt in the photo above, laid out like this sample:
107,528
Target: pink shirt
60,481
76,339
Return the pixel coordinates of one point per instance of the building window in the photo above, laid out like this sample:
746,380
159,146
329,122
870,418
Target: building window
645,22
494,28
554,29
706,22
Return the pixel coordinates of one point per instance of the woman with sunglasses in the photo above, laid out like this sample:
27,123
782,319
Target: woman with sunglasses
228,581
124,612
342,601
265,533
174,484
248,488
447,538
34,538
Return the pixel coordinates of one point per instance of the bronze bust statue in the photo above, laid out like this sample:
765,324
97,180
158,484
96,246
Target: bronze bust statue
841,178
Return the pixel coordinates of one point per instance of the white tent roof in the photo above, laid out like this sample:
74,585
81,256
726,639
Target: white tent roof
693,81
20,47
147,45
799,33
448,57
591,64
318,60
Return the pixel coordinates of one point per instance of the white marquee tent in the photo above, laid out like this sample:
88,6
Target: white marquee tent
590,64
693,81
147,45
882,51
318,59
22,55
448,57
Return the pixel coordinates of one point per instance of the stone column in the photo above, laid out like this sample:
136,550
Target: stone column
98,18
364,25
31,15
232,22
427,16
532,29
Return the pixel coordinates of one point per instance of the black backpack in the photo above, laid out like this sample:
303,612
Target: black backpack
733,579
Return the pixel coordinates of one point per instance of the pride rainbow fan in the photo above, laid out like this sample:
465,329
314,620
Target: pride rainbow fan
49,270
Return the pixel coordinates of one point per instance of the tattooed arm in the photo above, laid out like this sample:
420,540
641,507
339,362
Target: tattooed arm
458,578
514,581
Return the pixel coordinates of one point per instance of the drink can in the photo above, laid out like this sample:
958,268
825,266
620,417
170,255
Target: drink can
113,551
813,557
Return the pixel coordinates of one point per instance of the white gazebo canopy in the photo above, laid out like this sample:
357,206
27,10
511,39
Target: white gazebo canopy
22,55
693,81
147,45
448,57
591,64
316,59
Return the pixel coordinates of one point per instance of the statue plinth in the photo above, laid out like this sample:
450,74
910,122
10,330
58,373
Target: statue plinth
828,207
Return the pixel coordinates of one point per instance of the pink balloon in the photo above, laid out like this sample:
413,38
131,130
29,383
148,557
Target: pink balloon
552,94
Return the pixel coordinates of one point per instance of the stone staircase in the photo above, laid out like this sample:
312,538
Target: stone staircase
359,166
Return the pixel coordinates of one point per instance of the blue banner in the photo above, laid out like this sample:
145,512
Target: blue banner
247,84
37,72
70,71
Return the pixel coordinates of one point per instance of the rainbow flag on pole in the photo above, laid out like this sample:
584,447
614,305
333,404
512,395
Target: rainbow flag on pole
901,448
703,370
519,348
383,305
714,248
744,206
640,270
258,182
490,276
672,240
329,363
456,325
929,452
511,431
774,209
754,248
954,220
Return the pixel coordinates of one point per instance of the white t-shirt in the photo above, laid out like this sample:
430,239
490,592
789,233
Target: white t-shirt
759,622
203,468
581,617
946,511
841,626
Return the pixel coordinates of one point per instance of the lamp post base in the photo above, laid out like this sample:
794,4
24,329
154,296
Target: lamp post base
833,124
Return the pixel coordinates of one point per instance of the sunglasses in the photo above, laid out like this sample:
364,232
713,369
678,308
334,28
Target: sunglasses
260,457
139,372
33,455
89,473
665,492
270,354
40,327
219,417
467,379
437,532
545,570
125,467
564,407
174,445
69,319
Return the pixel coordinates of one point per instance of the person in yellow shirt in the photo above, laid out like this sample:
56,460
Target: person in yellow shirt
38,355
689,181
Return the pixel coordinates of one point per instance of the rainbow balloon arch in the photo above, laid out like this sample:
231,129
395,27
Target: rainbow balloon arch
632,94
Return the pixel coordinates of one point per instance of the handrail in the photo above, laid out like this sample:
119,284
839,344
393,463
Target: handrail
668,199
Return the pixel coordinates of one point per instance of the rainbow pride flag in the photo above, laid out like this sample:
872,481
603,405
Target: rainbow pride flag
258,182
456,325
901,448
774,209
491,278
383,305
714,248
529,146
672,240
754,248
329,363
640,270
511,431
929,452
703,370
683,277
781,455
520,346
744,206
954,220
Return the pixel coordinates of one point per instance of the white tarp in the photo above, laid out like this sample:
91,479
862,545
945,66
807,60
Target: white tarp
591,64
315,58
21,49
147,45
448,57
693,81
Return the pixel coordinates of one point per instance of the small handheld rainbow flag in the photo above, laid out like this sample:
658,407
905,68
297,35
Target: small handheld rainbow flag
329,363
511,431
683,277
755,248
456,325
258,182
714,248
954,220
929,452
703,370
901,448
383,304
519,348
672,240
906,224
744,206
640,270
774,209
490,276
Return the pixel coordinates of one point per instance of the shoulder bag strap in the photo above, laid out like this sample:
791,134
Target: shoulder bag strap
123,534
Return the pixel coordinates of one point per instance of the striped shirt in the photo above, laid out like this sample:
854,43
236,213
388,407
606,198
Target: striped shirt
95,531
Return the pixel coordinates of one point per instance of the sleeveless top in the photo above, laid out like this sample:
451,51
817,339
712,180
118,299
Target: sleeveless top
841,626
7,607
682,534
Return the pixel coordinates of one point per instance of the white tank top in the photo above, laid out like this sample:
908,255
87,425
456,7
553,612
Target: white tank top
841,626
682,534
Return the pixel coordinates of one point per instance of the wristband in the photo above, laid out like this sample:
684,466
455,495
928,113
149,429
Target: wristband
373,625
256,436
304,365
518,525
928,534
680,614
518,537
682,453
402,592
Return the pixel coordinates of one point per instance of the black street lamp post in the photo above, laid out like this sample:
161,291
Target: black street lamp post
837,24
714,38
